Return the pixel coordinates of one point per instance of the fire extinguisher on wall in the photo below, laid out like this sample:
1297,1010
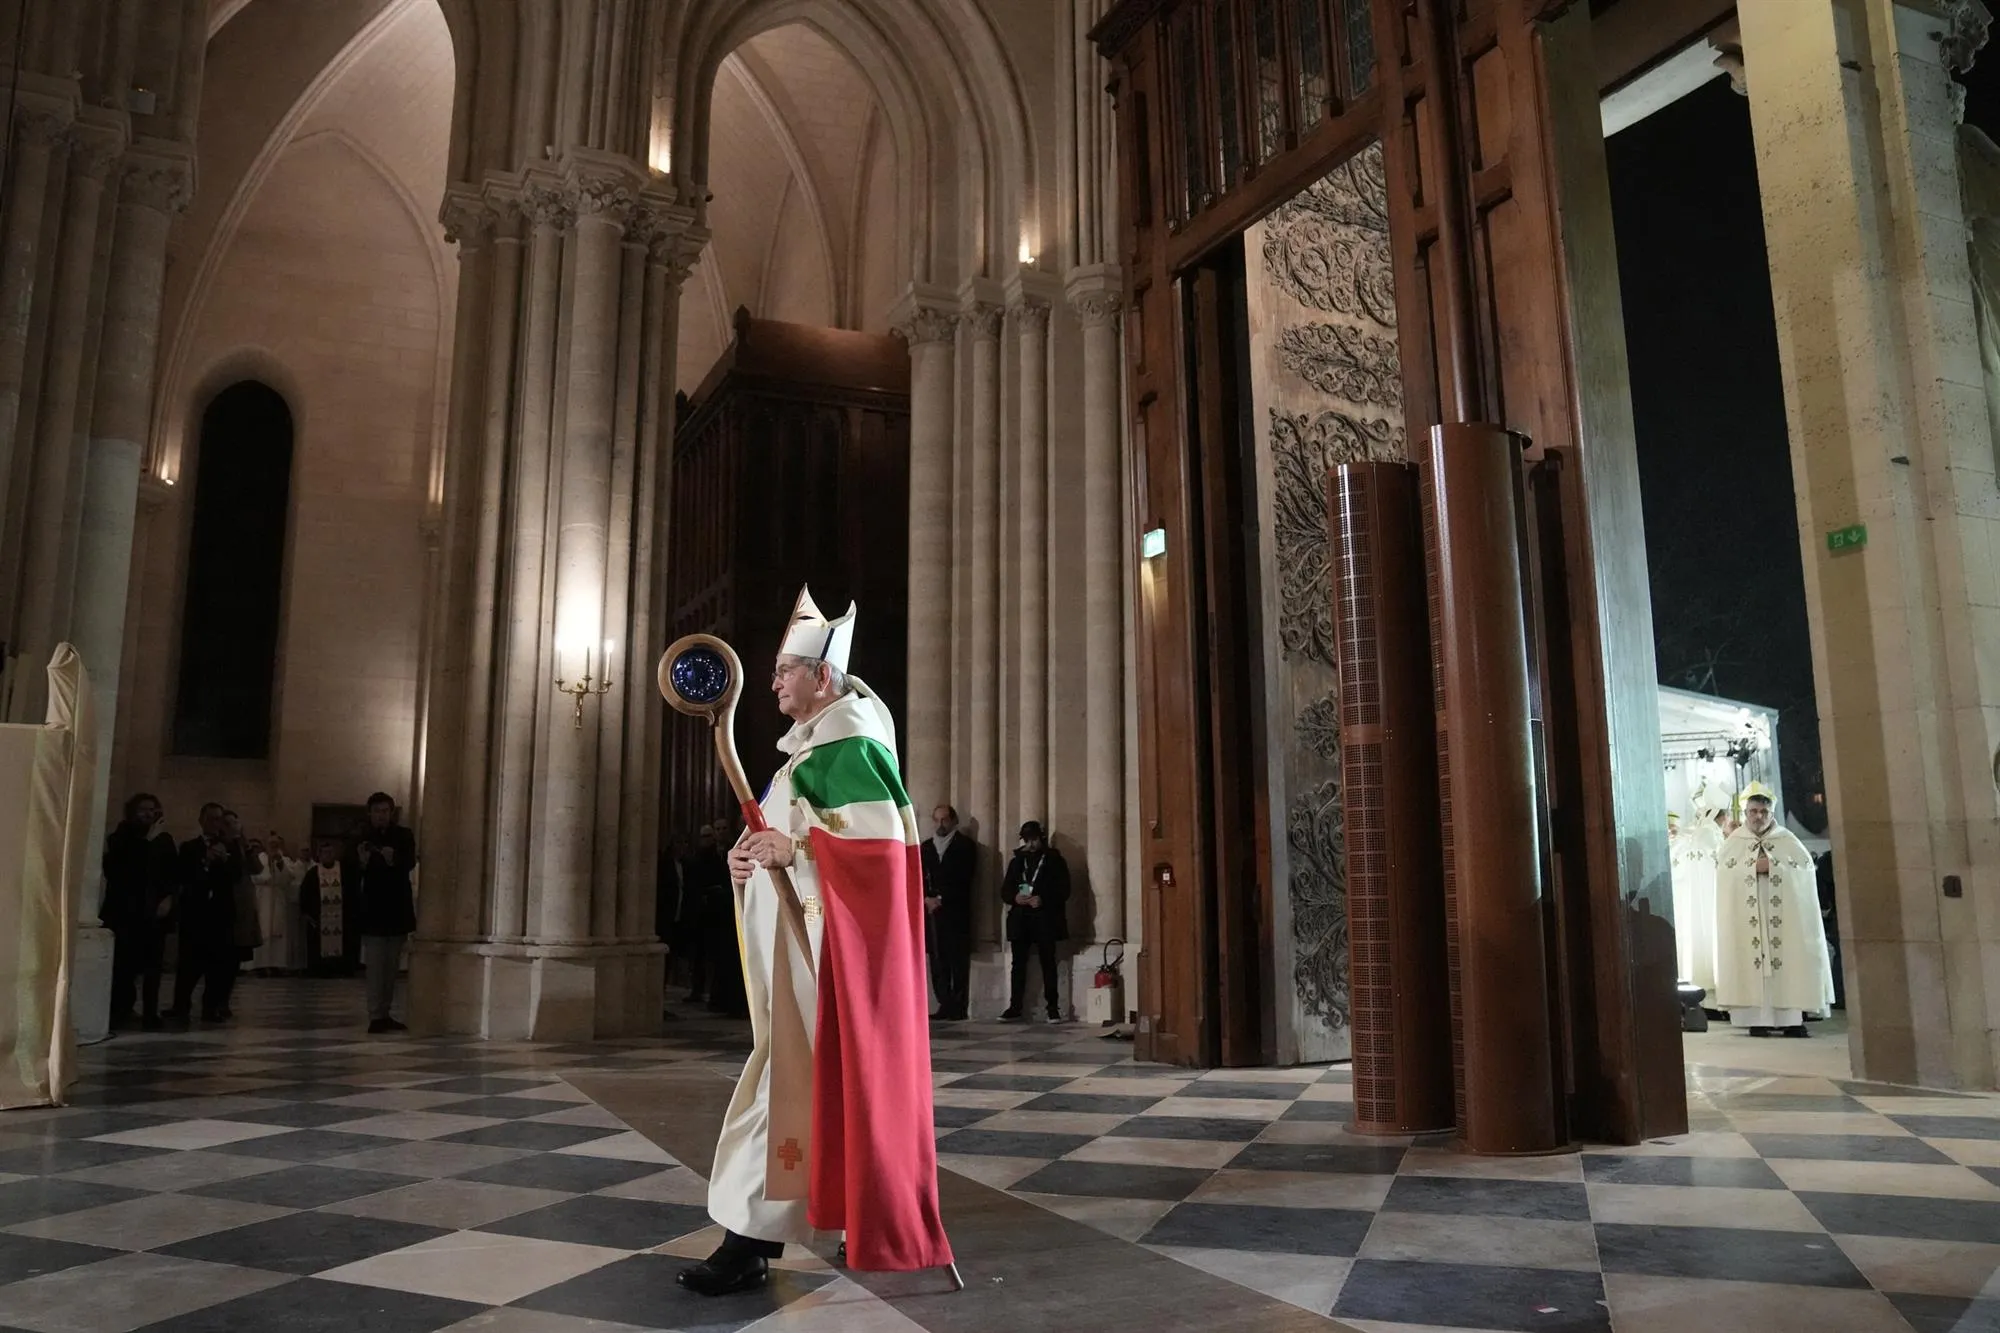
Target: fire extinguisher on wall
1106,1003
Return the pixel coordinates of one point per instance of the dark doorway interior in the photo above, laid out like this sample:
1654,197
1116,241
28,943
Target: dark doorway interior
1722,541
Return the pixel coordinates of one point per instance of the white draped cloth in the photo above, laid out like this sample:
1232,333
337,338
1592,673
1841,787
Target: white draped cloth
1772,965
47,773
1694,861
277,882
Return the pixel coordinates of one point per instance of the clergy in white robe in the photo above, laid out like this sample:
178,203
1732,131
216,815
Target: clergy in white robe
277,883
1696,844
1772,966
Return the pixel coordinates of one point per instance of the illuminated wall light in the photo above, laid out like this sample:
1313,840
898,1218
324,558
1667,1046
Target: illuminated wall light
1153,544
1027,252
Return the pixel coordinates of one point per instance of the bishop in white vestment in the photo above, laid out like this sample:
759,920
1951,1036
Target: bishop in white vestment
1696,844
1772,966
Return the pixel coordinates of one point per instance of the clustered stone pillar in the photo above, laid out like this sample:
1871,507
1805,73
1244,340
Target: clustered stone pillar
1031,502
930,329
540,923
1852,110
1094,296
979,564
156,185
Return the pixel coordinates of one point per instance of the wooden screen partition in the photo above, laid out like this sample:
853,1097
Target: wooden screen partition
1228,108
791,466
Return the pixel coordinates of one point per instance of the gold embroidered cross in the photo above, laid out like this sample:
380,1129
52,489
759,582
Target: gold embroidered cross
790,1154
810,904
835,821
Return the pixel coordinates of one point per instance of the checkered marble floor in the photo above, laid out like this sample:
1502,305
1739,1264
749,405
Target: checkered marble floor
287,1173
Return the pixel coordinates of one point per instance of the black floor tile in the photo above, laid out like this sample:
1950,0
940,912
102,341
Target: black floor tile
1947,1314
562,1171
47,1196
1951,1126
306,1145
501,1107
1847,1148
87,1124
1465,1196
1145,1071
1856,1089
948,1065
621,1224
312,1306
530,1135
1215,1129
1786,1101
1991,1173
1729,1172
306,1115
52,1157
958,1117
304,1243
1088,1103
1732,1254
1262,1092
1907,1217
303,1186
1114,1180
1337,1112
23,1257
1353,1159
1474,1296
642,1291
1266,1230
1011,1082
1011,1143
487,1085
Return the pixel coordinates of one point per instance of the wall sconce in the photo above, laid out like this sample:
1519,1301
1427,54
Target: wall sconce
584,686
1153,543
1027,253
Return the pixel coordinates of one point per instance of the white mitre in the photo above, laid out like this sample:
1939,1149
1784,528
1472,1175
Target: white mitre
812,635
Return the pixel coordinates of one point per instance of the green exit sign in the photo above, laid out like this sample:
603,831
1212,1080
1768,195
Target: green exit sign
1851,538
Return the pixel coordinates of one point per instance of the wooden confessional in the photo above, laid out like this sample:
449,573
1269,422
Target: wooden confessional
791,466
1512,965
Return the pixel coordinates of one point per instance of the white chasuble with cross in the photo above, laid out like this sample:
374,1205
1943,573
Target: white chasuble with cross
758,1186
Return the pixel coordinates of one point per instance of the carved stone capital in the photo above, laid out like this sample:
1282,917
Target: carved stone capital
469,219
43,127
1031,315
158,178
548,206
1967,25
925,324
1096,309
984,318
612,198
95,147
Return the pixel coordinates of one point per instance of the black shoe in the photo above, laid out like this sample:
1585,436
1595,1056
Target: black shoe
1796,1030
1055,1014
726,1274
214,1016
1761,1032
840,1255
379,1026
152,1023
1013,1014
176,1015
393,1026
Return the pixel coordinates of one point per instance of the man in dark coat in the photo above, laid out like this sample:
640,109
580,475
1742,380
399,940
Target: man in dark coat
210,866
950,862
706,907
141,868
387,854
1036,891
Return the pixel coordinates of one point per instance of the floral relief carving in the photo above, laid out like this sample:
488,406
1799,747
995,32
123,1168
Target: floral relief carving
1344,362
1315,832
926,324
1303,448
1329,247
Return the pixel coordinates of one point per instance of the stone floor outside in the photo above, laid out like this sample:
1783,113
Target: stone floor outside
289,1173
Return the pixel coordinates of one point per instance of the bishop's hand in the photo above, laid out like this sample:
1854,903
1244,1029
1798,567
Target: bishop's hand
768,849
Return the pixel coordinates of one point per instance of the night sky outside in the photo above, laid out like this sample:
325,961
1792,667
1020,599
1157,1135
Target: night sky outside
1722,540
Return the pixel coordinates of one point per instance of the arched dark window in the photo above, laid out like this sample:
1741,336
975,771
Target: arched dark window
235,575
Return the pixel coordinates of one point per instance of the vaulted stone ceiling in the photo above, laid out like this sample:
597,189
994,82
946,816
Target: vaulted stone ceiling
801,170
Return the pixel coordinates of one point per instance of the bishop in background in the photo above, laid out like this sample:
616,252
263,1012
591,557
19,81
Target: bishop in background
1771,961
819,1138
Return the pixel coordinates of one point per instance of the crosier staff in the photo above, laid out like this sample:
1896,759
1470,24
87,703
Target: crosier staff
701,676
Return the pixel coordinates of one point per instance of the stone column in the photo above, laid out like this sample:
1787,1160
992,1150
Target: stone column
157,185
1094,295
1030,648
1852,109
930,329
980,551
55,467
566,788
41,126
